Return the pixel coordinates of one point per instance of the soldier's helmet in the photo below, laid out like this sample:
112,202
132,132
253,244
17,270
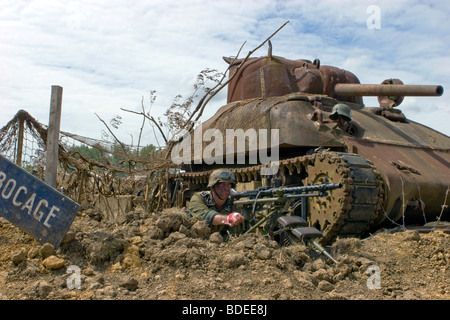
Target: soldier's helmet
343,110
221,175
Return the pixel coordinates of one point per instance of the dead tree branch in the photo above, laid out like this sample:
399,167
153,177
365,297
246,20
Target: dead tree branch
212,92
143,123
151,119
120,142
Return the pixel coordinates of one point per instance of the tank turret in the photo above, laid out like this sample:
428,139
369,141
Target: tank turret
276,76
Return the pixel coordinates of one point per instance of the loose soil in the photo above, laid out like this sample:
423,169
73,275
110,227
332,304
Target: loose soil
166,256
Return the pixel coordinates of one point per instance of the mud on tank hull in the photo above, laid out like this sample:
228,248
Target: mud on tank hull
392,169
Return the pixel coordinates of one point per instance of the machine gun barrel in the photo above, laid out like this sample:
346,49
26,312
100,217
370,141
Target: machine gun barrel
258,201
262,191
269,191
351,89
316,187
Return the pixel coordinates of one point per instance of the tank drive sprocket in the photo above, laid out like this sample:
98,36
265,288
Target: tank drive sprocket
350,210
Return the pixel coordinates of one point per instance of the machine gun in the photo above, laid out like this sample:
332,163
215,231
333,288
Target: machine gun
271,211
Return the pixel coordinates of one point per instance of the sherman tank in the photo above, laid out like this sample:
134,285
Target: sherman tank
392,169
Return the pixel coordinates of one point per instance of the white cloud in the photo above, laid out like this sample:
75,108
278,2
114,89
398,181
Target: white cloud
108,54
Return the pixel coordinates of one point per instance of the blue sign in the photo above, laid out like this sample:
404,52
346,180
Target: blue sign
34,206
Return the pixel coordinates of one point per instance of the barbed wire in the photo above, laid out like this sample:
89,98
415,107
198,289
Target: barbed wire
78,176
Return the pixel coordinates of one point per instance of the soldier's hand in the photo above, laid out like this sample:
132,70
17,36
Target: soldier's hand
234,219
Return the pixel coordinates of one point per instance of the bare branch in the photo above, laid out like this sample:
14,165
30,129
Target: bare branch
212,92
142,127
151,119
120,143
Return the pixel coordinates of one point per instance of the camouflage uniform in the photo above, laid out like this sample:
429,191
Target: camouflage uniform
202,204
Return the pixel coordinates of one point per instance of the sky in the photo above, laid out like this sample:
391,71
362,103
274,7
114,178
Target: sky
109,55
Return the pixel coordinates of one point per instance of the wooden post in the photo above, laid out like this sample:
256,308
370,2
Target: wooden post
53,136
20,143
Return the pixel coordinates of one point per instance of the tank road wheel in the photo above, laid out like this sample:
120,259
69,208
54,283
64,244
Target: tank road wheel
347,211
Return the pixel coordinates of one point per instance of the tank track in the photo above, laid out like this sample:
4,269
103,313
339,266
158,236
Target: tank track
345,212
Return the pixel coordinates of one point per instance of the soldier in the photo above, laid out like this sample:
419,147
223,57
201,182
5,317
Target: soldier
342,114
215,206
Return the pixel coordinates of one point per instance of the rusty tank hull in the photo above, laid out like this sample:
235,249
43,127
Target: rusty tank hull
393,170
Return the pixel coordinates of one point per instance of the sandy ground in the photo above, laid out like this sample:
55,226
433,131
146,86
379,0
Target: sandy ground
166,256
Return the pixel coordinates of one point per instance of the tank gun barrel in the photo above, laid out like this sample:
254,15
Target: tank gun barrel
350,89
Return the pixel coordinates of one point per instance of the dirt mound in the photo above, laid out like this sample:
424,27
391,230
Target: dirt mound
165,256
